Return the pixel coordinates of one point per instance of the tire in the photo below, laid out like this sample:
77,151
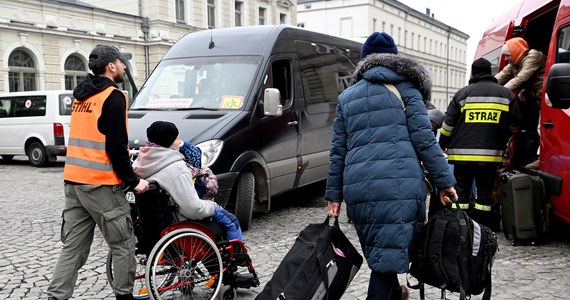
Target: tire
245,197
184,264
7,157
230,294
37,154
139,290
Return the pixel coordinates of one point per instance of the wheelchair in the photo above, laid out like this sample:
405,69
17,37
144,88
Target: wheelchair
183,259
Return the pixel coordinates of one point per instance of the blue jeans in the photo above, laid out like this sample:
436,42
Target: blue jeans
384,286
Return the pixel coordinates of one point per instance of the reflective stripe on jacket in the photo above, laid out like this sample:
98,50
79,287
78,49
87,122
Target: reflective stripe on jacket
87,161
477,122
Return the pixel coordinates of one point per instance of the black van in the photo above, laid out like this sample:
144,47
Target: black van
259,101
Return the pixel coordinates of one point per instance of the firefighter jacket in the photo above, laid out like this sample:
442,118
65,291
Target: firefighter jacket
87,161
479,121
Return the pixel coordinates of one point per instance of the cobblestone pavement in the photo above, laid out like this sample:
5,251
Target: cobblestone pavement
30,220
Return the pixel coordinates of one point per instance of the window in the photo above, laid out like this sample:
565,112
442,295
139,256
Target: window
301,25
180,10
419,41
75,71
238,13
324,67
279,76
282,19
217,82
211,14
30,106
22,72
65,104
563,46
262,11
495,57
374,21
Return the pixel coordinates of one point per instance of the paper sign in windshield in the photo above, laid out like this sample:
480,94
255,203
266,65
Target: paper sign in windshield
231,102
169,103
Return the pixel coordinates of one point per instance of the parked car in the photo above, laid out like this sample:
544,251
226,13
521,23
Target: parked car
259,101
35,124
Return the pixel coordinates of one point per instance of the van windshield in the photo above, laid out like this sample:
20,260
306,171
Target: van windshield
198,82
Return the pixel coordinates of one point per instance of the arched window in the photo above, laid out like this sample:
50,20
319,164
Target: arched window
75,71
22,71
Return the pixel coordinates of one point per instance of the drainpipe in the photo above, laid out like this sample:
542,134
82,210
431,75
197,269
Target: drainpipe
447,66
145,30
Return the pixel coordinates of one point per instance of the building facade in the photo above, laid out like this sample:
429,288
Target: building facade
439,47
45,44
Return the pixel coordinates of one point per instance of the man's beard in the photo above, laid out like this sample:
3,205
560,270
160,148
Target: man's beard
119,78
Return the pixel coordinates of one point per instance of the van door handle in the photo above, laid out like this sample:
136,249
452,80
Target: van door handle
547,124
293,123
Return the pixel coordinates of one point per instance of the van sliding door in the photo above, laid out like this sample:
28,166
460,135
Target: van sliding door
325,71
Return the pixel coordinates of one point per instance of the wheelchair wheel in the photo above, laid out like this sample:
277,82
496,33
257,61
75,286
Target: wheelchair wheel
184,264
139,289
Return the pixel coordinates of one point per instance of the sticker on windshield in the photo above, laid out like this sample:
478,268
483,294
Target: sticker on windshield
231,102
28,103
169,103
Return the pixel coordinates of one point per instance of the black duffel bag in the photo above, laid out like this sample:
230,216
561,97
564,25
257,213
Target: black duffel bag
320,265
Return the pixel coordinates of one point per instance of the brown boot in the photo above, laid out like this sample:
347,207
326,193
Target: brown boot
405,292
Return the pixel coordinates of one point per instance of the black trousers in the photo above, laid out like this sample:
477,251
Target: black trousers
483,209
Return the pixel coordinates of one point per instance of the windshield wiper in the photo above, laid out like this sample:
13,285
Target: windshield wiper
198,108
181,109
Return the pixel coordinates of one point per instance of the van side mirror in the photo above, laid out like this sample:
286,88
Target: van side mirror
272,103
558,86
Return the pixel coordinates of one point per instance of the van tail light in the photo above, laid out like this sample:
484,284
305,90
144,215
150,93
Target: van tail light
57,129
58,134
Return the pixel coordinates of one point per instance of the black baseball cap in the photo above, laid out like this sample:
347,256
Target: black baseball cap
105,54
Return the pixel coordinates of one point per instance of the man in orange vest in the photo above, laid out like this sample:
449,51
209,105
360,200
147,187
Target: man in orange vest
97,172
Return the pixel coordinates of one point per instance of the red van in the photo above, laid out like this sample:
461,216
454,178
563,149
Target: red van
545,25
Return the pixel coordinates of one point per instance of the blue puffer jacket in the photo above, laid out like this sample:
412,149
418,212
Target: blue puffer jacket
375,158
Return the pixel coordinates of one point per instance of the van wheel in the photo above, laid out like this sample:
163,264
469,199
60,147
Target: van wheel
7,157
244,199
37,154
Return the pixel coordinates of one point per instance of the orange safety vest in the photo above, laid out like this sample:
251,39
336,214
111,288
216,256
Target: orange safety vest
86,160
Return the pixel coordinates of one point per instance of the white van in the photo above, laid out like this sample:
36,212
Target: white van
35,124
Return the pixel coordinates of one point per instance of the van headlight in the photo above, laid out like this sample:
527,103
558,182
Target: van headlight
210,151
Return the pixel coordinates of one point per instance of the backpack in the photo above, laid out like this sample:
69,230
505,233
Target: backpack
205,182
456,254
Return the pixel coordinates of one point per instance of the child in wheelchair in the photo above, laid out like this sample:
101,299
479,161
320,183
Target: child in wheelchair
189,246
161,161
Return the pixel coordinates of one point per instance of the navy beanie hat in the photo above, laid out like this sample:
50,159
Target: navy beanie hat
162,133
378,42
481,66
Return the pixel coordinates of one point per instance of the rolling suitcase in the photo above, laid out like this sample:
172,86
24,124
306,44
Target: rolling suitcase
522,199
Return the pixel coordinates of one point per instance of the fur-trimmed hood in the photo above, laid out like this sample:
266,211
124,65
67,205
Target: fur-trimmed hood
402,65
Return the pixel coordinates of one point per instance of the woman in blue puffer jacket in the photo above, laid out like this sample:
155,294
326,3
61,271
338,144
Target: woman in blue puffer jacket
377,145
